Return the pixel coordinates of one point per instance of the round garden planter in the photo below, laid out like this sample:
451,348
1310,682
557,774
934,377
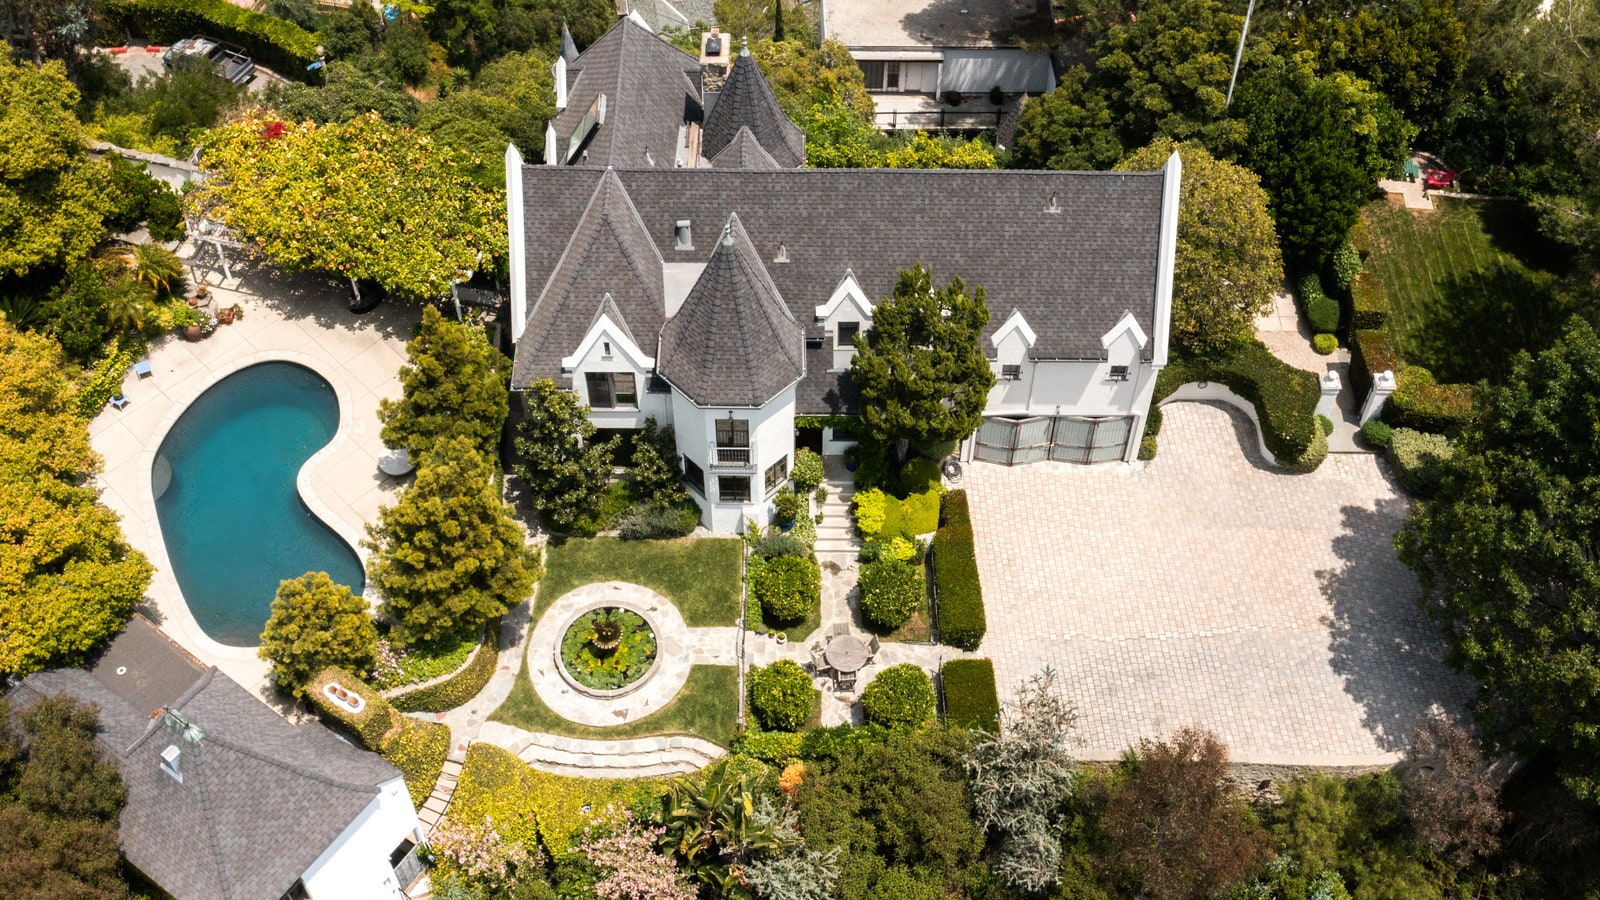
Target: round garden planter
636,684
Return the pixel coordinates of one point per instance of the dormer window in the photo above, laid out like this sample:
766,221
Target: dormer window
605,351
847,333
1118,373
1011,372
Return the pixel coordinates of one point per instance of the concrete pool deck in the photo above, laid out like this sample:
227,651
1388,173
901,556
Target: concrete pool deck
297,319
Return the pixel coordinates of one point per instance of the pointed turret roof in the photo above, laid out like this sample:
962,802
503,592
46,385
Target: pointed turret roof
747,101
569,47
744,152
734,341
610,256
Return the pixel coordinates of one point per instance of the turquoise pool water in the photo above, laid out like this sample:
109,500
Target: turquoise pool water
231,516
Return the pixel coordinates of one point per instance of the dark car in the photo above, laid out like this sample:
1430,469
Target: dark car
365,295
232,63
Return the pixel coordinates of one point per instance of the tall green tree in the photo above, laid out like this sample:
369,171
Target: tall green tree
920,368
68,580
1070,128
1320,144
1508,554
565,469
1228,262
60,802
316,624
53,198
448,556
453,383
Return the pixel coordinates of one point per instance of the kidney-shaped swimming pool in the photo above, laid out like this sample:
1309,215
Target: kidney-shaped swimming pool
231,517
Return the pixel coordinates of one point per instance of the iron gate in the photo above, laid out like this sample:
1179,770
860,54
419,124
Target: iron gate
1074,439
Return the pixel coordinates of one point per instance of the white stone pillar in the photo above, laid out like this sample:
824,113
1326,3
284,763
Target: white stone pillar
1328,404
1382,387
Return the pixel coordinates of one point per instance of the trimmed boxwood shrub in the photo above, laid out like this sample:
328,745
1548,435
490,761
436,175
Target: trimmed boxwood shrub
1324,344
459,688
900,697
919,476
953,507
1346,264
787,588
1322,311
1371,352
958,592
1285,397
808,471
891,590
368,726
418,749
1369,308
281,46
1377,432
775,747
1415,457
1152,421
781,695
970,700
1422,404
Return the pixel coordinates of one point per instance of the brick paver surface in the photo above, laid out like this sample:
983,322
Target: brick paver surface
1209,589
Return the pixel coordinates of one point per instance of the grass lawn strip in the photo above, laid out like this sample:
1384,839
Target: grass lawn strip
706,707
700,576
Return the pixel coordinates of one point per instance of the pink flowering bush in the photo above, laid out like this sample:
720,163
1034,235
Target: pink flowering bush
625,852
387,670
478,853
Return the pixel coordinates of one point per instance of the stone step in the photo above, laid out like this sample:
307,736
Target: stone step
684,756
656,771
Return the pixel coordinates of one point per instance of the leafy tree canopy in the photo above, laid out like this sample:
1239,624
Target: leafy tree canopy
476,30
67,579
1072,128
347,92
920,368
454,383
564,468
1508,561
1228,263
316,624
52,197
362,198
509,102
449,556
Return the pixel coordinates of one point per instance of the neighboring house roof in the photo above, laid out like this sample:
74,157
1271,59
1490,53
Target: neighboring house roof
260,800
1071,250
606,252
926,23
660,14
651,88
747,101
733,342
744,152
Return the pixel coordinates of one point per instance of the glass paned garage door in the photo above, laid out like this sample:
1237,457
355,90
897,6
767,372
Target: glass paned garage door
1072,439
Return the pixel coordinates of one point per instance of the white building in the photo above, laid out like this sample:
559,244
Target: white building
226,799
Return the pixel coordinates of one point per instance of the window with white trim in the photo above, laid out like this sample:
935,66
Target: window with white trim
612,390
733,488
777,473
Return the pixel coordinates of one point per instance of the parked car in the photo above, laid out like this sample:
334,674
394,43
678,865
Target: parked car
232,63
365,295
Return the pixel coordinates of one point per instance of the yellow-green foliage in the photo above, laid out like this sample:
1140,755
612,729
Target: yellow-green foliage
418,749
370,725
537,808
880,516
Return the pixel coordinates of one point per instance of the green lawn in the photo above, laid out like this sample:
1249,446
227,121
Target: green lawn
1468,284
707,707
701,577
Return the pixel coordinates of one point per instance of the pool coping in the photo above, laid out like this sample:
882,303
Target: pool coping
178,615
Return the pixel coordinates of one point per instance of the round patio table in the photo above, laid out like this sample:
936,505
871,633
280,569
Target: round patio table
395,463
846,654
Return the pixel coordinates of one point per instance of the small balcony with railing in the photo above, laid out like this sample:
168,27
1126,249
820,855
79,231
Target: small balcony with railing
732,458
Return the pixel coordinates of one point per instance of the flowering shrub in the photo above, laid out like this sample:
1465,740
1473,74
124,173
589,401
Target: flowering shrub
478,852
794,775
388,669
625,851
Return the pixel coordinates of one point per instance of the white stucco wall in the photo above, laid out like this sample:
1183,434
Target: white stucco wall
356,865
771,439
975,71
591,356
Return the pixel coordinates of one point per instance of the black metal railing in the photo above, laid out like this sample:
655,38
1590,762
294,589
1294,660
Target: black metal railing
938,120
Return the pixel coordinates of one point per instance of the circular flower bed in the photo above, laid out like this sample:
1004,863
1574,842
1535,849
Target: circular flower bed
608,648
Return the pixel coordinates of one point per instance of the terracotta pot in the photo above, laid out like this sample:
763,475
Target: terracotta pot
194,301
193,332
225,315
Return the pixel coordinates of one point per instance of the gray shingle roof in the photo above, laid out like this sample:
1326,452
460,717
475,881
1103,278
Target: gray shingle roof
260,799
734,341
1072,272
606,252
747,101
651,89
744,152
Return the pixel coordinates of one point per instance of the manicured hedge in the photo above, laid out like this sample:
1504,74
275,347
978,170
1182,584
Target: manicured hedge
1415,457
957,591
970,700
781,695
1285,397
281,46
891,590
787,588
368,726
418,750
882,516
1371,352
776,747
1369,308
953,508
1322,311
1423,404
899,697
460,687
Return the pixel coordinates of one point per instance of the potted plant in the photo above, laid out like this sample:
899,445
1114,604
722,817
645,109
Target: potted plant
227,314
786,505
193,332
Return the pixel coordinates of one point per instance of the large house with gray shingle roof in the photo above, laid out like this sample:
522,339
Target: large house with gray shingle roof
226,799
719,288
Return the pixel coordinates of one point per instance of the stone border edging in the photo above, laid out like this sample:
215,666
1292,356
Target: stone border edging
405,690
179,614
614,693
1216,392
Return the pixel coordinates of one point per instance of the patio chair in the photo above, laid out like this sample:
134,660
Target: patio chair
872,647
845,682
819,660
839,630
142,368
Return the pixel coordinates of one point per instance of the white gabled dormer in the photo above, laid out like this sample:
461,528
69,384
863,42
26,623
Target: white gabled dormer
1012,372
1122,345
608,339
847,313
609,370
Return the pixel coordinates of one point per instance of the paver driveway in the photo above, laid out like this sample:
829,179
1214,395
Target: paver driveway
1211,590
